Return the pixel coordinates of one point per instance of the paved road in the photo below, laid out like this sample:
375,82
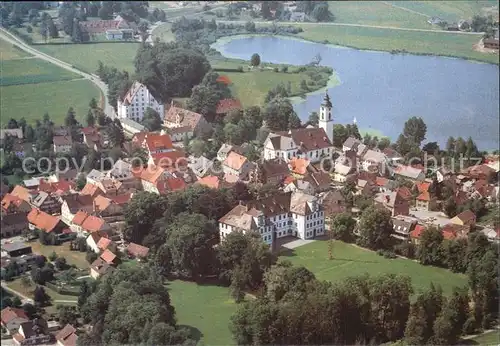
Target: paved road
358,25
7,36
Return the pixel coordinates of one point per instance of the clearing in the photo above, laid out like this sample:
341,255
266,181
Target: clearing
205,309
72,257
31,101
349,260
86,56
18,286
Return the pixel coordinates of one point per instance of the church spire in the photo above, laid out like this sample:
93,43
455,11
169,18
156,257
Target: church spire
326,101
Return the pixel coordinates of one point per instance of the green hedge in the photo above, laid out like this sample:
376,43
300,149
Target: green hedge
32,79
62,290
227,70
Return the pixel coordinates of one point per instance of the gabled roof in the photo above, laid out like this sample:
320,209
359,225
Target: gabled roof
211,181
391,153
21,192
299,165
42,220
226,105
466,216
351,143
235,161
169,159
309,138
170,184
275,167
67,336
152,174
103,243
182,117
62,140
76,201
11,201
79,217
423,189
91,189
108,257
137,250
408,171
93,223
9,314
417,231
155,142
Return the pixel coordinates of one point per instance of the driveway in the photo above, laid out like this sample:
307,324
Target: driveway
436,218
7,36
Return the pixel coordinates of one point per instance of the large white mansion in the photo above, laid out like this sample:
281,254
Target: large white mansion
286,214
136,101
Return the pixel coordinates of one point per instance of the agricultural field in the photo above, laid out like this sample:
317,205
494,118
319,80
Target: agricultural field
417,42
86,56
349,260
205,309
31,101
376,13
32,71
10,52
451,11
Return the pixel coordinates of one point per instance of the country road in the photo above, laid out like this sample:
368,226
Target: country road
356,25
7,36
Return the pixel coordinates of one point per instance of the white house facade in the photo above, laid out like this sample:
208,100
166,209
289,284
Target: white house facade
287,214
136,101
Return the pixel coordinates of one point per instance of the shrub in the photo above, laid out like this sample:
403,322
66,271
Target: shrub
389,254
276,69
240,69
284,69
29,29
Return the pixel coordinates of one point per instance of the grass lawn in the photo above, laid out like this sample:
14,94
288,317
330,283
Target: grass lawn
488,339
32,71
351,261
376,13
164,33
28,291
457,45
86,56
451,11
72,257
205,309
9,52
31,101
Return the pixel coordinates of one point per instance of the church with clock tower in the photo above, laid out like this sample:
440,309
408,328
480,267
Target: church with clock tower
325,117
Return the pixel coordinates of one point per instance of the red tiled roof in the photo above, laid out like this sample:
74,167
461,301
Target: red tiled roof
235,161
67,336
103,243
42,220
380,181
211,181
137,250
151,174
155,142
91,189
98,26
108,257
466,216
224,79
417,231
423,188
170,184
120,199
449,234
169,159
21,192
226,105
299,165
93,223
404,193
10,200
8,314
79,217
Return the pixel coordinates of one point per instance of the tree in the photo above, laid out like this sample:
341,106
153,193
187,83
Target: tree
40,296
339,135
255,60
321,13
197,147
204,100
449,324
105,12
375,226
43,30
454,254
190,239
60,263
279,115
170,71
353,131
52,256
450,207
70,119
66,314
342,227
164,334
313,118
81,181
430,248
152,120
85,292
76,36
383,143
250,26
237,286
140,213
29,310
415,130
90,119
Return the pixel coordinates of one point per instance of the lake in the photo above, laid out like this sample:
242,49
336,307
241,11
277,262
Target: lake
455,97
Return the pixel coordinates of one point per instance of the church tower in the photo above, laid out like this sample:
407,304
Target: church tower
325,117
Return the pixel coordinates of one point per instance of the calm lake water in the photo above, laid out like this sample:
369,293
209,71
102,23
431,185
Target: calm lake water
454,97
